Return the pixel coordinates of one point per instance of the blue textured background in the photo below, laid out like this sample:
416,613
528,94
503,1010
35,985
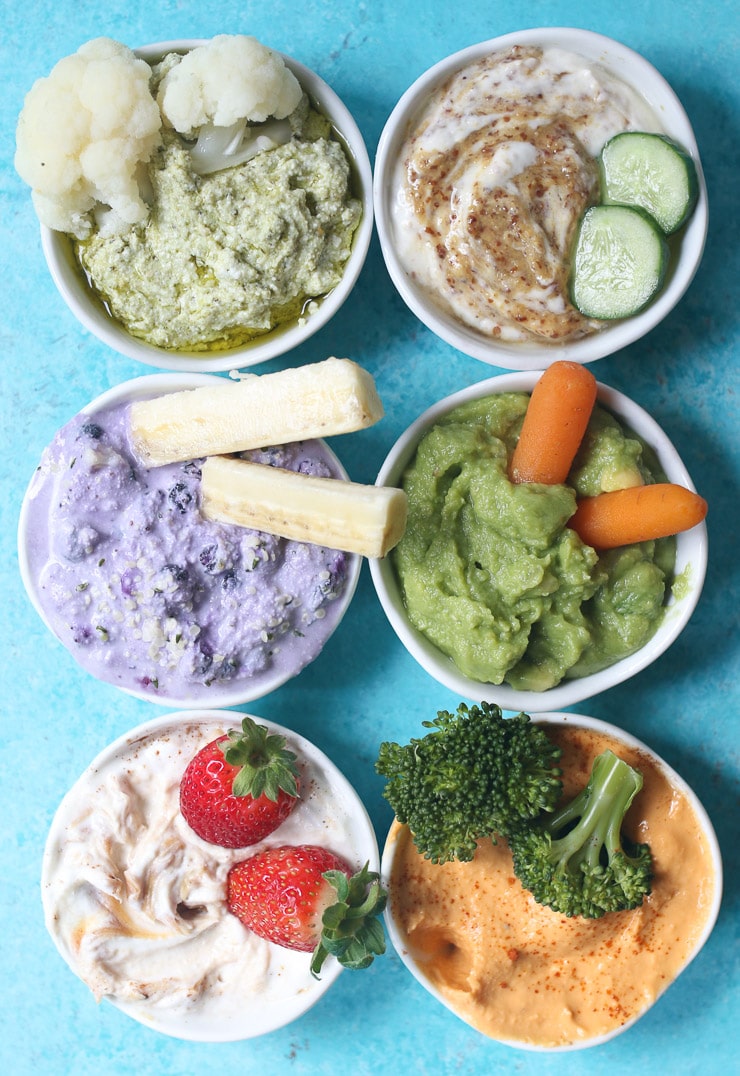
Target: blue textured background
365,688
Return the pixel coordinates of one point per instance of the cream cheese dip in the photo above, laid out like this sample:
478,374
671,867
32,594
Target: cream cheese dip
135,901
495,172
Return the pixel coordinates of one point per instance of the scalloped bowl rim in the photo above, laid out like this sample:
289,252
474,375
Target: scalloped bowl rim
138,388
640,73
70,282
205,715
608,729
691,557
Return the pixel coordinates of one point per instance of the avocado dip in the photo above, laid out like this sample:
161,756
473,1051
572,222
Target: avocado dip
489,570
227,257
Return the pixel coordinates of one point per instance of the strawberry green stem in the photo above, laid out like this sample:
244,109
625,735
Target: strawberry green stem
265,764
351,928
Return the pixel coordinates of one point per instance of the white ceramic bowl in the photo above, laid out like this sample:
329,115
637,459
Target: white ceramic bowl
337,821
691,561
710,911
91,313
632,69
227,693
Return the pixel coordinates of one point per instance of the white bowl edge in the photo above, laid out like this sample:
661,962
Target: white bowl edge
69,278
691,556
368,851
524,356
607,729
142,387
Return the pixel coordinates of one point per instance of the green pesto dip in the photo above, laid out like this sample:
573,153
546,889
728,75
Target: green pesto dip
226,257
489,570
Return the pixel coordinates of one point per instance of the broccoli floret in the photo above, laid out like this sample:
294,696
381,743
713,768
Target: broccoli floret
577,861
477,774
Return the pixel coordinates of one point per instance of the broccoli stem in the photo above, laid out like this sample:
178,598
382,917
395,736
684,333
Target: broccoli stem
597,811
575,861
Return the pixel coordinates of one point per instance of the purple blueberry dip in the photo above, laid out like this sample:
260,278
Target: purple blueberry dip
148,595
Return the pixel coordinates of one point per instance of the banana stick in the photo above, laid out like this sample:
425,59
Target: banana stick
356,518
315,400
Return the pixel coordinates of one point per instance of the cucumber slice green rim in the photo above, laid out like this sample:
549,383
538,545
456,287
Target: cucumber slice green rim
650,171
619,263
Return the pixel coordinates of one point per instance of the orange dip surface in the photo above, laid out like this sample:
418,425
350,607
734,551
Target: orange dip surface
519,972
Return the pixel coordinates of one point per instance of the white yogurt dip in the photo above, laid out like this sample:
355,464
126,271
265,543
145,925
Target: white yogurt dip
494,174
135,901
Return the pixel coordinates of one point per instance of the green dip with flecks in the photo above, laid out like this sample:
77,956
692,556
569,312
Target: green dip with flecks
226,257
491,573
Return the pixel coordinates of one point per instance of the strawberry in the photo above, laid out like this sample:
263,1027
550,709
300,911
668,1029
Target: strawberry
307,898
239,787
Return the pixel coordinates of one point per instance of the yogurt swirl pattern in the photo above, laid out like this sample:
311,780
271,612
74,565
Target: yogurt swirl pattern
493,180
135,901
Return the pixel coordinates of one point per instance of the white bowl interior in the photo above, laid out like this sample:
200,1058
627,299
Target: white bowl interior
222,695
264,1017
581,721
71,283
632,69
691,558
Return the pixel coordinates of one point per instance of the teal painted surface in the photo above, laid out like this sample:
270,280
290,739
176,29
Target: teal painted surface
365,688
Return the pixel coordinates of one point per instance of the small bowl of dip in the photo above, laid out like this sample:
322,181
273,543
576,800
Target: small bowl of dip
147,594
529,977
477,226
162,946
481,615
228,327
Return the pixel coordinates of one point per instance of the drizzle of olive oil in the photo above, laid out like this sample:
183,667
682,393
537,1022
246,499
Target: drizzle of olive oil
283,317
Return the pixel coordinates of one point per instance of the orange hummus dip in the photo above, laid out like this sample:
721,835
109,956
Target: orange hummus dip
523,974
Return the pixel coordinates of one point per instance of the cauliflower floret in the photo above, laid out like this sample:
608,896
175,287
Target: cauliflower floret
219,89
230,78
83,134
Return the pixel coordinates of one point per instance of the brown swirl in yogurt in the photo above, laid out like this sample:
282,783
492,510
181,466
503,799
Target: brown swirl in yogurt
493,178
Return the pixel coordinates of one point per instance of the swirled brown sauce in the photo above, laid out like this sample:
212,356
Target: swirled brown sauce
135,901
493,178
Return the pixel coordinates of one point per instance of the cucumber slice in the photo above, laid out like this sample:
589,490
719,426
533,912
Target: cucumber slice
651,171
619,262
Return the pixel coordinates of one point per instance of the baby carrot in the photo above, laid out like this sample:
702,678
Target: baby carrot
637,514
554,424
